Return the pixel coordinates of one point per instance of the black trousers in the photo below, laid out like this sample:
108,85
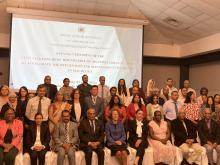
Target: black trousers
40,155
141,151
88,155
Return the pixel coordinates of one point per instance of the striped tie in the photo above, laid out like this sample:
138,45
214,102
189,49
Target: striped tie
66,133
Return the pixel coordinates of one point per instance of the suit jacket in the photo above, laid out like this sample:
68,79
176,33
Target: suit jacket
179,131
86,134
205,134
51,91
133,137
32,133
98,106
73,114
59,134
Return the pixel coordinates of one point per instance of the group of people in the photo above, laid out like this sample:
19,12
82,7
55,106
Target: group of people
91,117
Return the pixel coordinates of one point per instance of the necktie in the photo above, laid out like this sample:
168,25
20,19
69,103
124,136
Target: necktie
176,108
93,125
39,108
94,100
184,125
66,134
102,92
208,124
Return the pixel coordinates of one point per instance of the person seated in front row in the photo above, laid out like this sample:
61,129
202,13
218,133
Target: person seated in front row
116,138
138,132
37,140
164,151
11,131
209,135
91,134
185,134
65,138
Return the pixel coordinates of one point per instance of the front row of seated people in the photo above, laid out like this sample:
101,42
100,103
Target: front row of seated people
68,137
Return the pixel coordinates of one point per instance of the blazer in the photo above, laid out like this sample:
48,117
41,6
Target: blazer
51,91
73,114
17,131
32,133
179,131
86,134
133,137
59,134
212,134
98,106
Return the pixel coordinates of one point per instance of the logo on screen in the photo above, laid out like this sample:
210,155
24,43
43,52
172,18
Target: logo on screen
81,29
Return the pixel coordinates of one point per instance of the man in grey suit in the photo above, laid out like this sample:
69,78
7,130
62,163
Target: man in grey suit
96,102
65,138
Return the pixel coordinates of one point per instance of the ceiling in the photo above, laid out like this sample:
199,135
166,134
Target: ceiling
191,19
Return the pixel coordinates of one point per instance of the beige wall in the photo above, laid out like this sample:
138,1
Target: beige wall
160,73
4,68
207,75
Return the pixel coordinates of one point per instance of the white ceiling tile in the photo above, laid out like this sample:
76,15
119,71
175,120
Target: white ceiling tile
169,2
86,7
202,17
52,5
105,1
191,11
133,12
121,2
213,23
33,4
155,4
69,6
176,14
179,5
203,6
214,3
103,8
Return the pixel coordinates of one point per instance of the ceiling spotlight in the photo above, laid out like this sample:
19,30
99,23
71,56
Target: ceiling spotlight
172,21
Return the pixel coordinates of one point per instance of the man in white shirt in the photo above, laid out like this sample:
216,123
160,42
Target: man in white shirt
38,104
169,85
103,90
170,108
186,84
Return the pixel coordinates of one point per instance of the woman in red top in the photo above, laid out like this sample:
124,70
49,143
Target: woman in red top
134,106
115,104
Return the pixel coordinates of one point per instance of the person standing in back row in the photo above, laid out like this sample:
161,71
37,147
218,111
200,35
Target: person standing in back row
51,89
85,87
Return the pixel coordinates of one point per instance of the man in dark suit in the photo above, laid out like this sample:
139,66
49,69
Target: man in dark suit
51,89
185,135
94,101
66,138
91,134
209,135
37,140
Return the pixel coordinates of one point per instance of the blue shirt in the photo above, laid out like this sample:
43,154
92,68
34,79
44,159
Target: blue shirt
114,132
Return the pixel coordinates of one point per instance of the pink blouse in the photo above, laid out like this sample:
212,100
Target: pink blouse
17,131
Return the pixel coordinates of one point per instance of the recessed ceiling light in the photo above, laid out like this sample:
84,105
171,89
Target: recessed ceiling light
172,21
